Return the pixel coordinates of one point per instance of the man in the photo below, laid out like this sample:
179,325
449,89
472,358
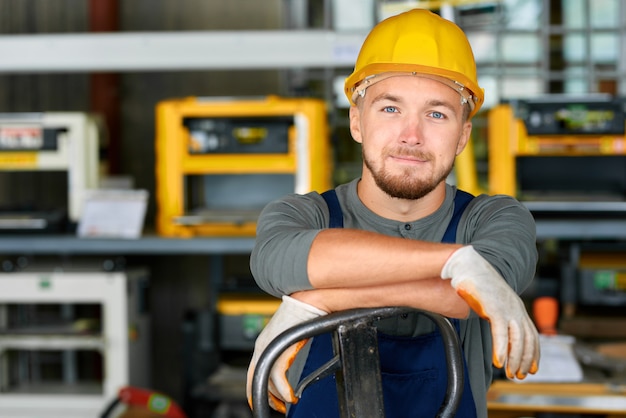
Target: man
413,93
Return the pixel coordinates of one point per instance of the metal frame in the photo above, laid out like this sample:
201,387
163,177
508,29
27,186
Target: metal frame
356,362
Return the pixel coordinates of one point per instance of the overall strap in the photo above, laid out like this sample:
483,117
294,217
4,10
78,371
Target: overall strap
461,200
336,215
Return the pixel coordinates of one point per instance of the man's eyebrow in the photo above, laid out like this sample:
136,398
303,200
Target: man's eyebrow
447,104
386,96
443,103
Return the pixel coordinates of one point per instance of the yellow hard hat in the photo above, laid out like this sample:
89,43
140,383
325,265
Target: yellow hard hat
422,43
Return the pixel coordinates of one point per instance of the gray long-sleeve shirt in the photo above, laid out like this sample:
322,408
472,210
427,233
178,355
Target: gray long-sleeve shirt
500,228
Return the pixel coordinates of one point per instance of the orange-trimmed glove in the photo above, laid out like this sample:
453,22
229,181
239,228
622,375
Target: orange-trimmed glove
515,338
291,312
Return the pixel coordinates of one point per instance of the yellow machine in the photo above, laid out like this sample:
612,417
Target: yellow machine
465,171
242,317
558,149
220,161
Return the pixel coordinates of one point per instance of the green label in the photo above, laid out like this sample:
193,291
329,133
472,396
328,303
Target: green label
604,279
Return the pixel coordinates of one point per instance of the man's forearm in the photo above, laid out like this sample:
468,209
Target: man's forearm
354,258
434,295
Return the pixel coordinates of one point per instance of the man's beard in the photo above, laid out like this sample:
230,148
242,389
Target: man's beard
404,186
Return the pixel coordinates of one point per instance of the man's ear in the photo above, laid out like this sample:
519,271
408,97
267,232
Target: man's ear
466,133
355,123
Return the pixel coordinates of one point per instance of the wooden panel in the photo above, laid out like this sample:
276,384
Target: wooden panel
510,399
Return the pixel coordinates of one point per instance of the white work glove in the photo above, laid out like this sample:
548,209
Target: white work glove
290,313
515,338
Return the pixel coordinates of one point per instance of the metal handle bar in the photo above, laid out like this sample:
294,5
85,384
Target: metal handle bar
355,322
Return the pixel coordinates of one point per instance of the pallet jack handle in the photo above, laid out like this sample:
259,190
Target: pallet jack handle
356,363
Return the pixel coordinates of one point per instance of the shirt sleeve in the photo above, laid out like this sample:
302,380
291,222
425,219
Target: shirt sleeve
285,231
503,231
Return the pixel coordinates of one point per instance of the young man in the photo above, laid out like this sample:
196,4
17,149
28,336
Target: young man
413,93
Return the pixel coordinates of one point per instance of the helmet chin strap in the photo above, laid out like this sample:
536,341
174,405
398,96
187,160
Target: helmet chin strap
466,96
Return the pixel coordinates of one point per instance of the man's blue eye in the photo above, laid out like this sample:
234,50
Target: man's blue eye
438,115
389,109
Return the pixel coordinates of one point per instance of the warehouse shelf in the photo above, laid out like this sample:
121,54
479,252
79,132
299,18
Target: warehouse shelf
575,226
51,342
579,229
148,245
185,50
579,220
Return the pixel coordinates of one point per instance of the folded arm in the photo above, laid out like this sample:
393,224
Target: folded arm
349,258
434,295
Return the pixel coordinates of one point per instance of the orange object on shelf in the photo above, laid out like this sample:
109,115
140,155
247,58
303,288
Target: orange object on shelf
546,314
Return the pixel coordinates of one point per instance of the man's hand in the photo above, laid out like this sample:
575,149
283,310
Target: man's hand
515,338
290,313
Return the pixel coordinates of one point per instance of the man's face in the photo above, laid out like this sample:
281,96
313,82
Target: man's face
411,129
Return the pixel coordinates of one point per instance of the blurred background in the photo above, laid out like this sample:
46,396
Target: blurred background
139,139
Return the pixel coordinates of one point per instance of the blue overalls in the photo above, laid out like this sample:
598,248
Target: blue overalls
413,369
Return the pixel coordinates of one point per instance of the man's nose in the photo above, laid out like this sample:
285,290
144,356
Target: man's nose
412,133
